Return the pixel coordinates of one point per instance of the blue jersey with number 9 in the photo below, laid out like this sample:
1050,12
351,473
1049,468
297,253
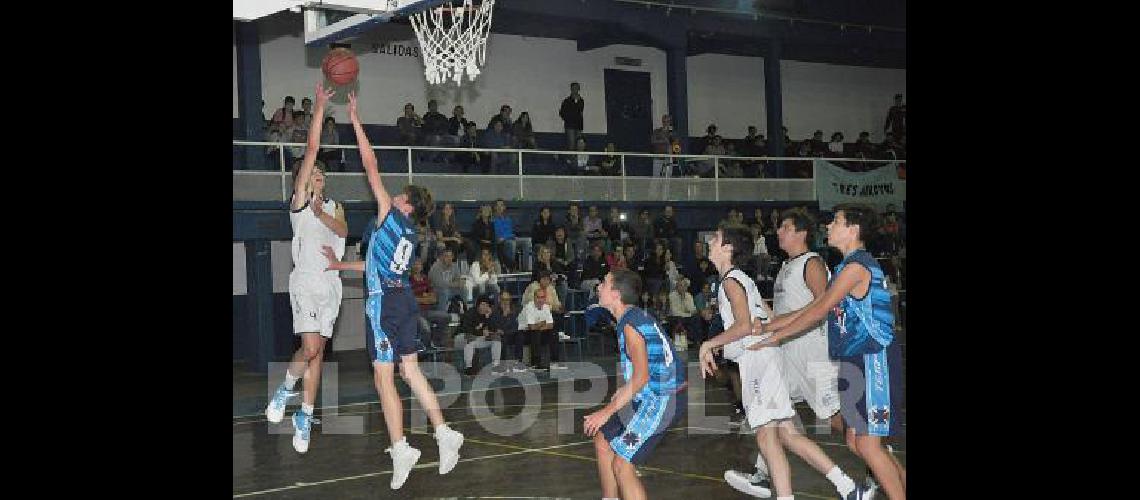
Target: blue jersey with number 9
390,251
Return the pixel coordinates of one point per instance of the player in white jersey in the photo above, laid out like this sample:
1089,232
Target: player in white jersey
767,406
314,293
809,372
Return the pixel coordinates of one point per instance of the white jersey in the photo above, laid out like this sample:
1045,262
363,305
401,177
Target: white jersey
734,349
309,235
791,292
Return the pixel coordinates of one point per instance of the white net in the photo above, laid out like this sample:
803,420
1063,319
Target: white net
453,40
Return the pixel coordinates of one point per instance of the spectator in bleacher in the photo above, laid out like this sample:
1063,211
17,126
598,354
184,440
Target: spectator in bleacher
592,226
615,227
672,274
665,227
835,147
409,125
582,164
504,117
730,217
816,146
683,312
702,299
594,269
446,279
543,229
545,283
571,114
483,275
864,148
896,119
538,320
495,138
659,308
478,332
523,132
642,230
739,217
654,273
279,132
284,115
616,259
759,254
610,164
633,261
557,270
715,147
457,126
306,116
753,145
661,142
693,270
427,247
730,168
506,324
482,233
470,140
447,233
574,230
505,241
428,302
434,129
710,134
563,251
758,219
333,158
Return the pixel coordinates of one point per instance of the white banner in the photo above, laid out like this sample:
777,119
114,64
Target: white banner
879,187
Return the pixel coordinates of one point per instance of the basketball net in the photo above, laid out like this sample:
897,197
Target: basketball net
453,40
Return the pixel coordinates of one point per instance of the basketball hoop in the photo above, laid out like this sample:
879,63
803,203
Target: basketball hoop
453,40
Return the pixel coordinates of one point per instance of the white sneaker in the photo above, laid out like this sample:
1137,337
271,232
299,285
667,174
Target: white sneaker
744,483
302,425
404,457
449,441
558,366
275,411
563,336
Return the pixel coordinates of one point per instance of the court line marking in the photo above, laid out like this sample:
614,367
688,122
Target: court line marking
817,441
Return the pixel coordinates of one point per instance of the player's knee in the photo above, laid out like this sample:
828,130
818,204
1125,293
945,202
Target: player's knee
620,466
311,352
409,368
867,446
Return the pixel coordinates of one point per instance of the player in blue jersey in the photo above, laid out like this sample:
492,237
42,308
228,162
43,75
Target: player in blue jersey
393,312
857,306
652,399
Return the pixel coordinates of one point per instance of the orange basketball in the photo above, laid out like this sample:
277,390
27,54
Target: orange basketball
340,66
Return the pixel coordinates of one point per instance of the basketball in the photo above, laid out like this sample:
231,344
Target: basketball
340,66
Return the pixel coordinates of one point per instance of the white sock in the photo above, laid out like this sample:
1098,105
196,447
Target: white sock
308,409
441,427
761,465
290,381
789,497
842,481
608,498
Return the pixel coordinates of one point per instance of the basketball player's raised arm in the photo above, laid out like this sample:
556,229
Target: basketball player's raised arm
368,158
639,356
816,278
851,278
300,196
742,315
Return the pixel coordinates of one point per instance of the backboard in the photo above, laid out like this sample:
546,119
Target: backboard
343,20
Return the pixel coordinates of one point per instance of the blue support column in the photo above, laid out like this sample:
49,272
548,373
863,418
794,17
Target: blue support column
250,120
678,83
259,326
773,104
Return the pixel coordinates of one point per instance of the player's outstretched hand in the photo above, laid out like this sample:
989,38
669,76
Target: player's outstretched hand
323,95
352,107
330,255
708,362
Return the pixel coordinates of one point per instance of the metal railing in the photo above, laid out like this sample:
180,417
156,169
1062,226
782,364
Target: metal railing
660,183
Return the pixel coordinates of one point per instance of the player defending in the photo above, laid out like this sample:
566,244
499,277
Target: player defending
767,404
650,401
393,313
857,306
